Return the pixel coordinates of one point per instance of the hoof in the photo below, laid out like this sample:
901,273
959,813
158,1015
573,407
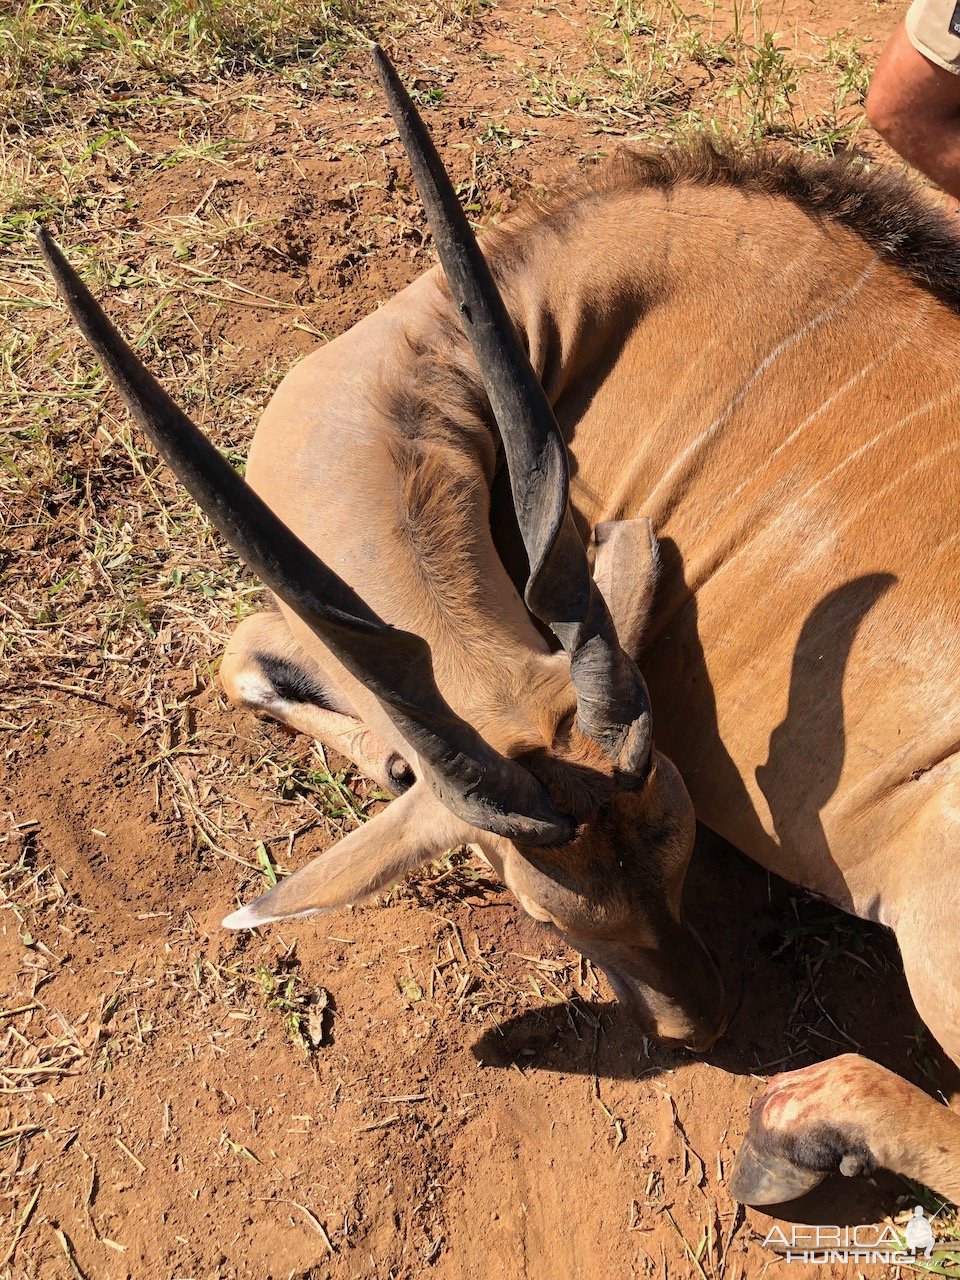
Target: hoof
763,1177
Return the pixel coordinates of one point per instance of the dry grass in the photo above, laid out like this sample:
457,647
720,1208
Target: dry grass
658,71
144,134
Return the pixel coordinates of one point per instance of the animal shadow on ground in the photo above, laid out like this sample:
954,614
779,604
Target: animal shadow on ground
804,980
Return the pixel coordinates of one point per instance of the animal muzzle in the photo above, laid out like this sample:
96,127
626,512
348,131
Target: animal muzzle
682,1004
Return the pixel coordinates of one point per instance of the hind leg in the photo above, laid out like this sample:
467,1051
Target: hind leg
850,1113
265,670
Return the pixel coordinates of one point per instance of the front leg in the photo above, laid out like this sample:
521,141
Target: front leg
847,1115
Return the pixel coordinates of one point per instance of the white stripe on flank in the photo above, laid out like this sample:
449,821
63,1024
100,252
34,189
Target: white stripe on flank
926,407
719,338
905,338
945,545
919,465
684,462
722,554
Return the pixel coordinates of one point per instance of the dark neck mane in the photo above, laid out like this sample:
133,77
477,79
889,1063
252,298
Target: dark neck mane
440,396
890,213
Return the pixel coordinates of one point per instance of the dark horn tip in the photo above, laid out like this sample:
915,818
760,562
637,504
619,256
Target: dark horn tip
47,242
52,255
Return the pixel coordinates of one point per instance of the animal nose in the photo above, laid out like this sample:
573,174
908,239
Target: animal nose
674,1028
695,1039
705,1039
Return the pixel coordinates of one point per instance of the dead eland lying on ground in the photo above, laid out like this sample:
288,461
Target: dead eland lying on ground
756,358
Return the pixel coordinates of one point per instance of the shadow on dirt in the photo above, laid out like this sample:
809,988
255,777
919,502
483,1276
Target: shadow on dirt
804,982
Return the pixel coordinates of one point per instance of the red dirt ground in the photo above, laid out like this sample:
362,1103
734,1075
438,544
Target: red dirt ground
475,1105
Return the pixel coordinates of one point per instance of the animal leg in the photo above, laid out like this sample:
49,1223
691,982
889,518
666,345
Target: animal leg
847,1114
265,670
852,1114
926,911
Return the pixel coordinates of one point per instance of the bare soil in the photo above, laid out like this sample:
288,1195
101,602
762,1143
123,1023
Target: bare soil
424,1086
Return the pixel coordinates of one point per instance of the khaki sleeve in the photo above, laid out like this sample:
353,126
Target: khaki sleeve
933,28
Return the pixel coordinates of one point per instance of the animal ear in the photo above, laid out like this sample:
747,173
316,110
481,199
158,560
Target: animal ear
625,567
410,831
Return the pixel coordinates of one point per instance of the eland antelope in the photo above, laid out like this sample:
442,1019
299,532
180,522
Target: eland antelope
696,414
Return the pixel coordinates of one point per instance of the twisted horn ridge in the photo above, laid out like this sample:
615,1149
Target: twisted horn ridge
613,707
475,782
